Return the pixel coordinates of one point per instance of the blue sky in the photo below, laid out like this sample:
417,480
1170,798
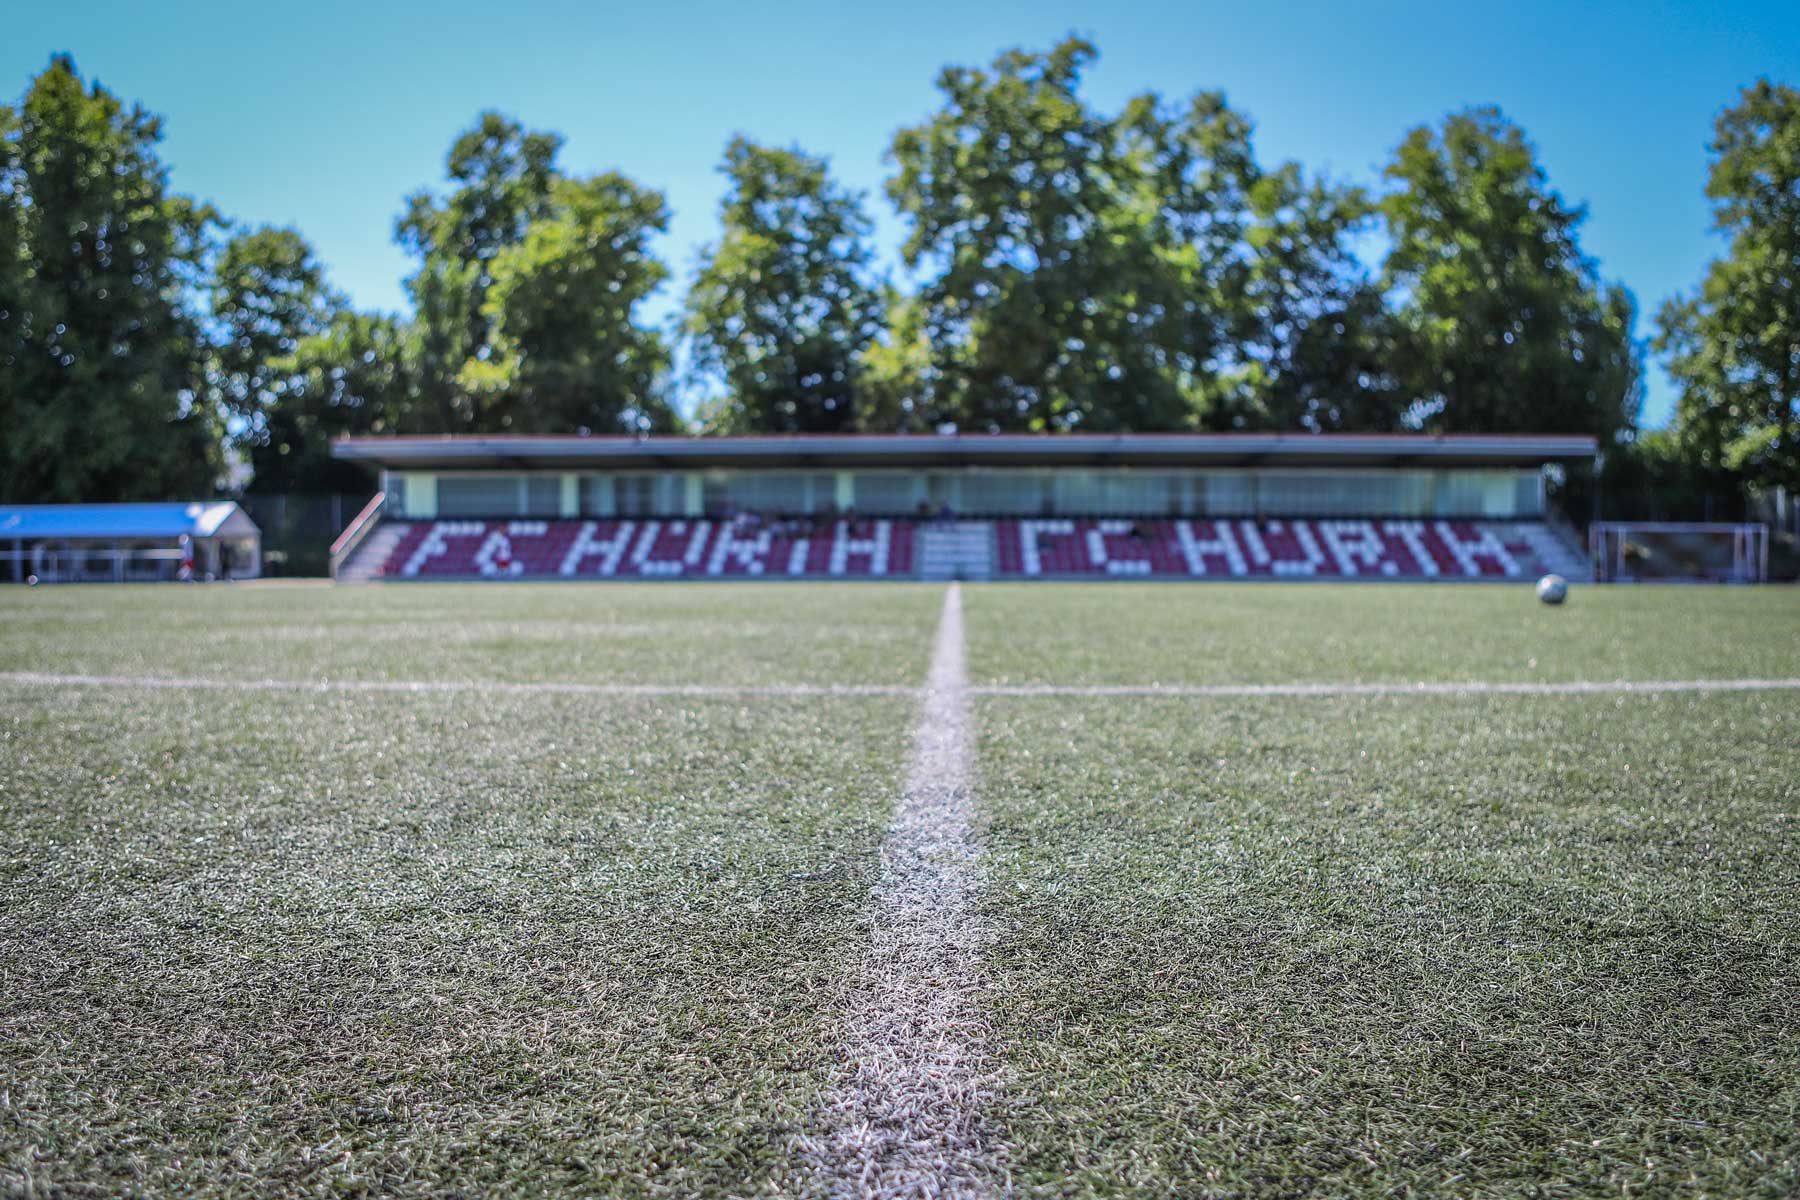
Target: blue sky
324,115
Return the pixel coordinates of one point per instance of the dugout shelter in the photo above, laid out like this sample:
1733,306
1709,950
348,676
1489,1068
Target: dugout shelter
128,543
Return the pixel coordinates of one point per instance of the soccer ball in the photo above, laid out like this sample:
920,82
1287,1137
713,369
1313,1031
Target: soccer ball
1553,589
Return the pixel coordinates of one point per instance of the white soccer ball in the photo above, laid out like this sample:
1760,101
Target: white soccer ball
1553,589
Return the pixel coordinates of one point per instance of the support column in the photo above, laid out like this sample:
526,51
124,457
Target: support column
421,496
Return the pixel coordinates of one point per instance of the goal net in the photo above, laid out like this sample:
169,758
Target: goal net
1673,552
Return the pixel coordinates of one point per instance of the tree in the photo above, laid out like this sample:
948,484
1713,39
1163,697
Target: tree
1655,476
1097,272
566,351
894,371
268,294
101,358
1505,324
1189,208
503,177
783,304
352,377
525,293
1734,348
1314,335
1064,295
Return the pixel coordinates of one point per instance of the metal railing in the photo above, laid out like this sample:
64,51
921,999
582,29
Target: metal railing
354,533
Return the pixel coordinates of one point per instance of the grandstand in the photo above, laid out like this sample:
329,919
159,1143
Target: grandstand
1117,506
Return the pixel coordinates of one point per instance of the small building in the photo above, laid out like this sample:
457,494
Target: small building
128,543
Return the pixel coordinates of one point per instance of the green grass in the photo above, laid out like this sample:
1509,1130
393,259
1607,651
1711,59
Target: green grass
1486,946
1334,633
657,633
265,943
436,945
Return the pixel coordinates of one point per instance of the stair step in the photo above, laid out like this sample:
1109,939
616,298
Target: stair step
373,552
964,550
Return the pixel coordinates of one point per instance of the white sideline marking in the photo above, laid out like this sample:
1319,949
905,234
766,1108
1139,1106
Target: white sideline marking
486,688
1575,687
904,1118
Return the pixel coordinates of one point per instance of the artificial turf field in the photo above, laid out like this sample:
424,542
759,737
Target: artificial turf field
358,938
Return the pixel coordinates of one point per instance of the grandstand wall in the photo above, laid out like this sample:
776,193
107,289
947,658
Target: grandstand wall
1104,492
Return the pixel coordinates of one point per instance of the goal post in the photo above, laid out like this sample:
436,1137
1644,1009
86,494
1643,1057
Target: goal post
1679,552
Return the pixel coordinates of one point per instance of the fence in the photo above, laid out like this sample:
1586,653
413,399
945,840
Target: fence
1779,509
298,527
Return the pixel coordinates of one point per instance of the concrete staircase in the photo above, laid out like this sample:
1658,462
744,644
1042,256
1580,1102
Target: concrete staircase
956,550
374,551
1558,553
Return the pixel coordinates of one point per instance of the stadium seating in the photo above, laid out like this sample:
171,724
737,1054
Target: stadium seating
1281,549
655,549
1022,549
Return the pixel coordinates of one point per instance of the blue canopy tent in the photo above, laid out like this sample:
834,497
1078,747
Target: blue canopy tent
119,543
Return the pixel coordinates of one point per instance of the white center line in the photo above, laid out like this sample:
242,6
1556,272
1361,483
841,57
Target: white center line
905,1116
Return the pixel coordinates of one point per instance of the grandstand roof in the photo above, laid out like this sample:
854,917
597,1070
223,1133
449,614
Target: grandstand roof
110,522
532,451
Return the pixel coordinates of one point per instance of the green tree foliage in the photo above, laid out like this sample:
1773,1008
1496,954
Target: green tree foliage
526,290
1080,269
1655,476
1135,271
895,371
566,353
1182,175
1056,301
783,307
101,357
501,176
1314,337
268,294
352,377
1734,349
1505,324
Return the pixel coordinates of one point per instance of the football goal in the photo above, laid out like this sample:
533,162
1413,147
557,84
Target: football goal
1679,552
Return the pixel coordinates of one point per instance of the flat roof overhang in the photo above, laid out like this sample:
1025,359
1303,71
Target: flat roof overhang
873,451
